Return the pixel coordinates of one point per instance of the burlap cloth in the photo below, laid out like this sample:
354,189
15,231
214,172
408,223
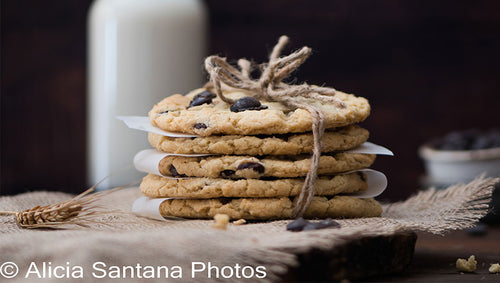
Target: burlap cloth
127,240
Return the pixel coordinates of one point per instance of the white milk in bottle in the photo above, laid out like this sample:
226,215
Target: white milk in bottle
139,51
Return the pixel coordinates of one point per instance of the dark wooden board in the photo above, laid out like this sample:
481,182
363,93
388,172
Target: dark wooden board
435,257
356,260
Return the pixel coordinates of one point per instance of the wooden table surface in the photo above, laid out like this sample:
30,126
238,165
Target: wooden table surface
435,257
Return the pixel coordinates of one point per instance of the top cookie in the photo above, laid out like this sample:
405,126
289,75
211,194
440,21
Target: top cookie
203,113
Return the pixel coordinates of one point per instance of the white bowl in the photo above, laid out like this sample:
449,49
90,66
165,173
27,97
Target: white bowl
459,166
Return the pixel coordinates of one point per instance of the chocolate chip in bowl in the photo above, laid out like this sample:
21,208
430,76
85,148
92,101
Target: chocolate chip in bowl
461,156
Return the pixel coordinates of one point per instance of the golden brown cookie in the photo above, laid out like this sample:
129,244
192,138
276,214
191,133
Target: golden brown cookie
252,167
270,208
210,116
155,186
337,139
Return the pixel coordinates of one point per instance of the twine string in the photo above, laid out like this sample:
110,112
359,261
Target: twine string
270,87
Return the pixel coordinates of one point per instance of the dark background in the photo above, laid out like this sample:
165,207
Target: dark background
427,67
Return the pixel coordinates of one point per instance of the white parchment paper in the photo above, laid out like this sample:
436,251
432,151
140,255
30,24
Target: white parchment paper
148,207
142,123
148,160
371,148
377,183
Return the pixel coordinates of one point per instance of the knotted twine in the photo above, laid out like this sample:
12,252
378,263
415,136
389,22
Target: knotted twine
270,87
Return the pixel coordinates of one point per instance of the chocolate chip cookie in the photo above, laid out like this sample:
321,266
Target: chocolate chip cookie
155,186
254,167
270,208
201,112
333,140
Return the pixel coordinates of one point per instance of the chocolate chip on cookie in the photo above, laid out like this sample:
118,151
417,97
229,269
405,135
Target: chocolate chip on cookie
174,172
200,126
247,103
227,173
362,176
202,98
257,167
225,201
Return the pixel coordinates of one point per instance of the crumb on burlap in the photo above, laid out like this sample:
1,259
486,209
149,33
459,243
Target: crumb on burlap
220,221
494,268
468,265
240,222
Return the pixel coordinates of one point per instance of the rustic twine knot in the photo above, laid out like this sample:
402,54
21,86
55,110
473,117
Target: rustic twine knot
269,87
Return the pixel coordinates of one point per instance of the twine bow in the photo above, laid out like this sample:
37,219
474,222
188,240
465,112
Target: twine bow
270,87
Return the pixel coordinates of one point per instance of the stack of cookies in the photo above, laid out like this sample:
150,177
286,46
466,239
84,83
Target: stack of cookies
258,155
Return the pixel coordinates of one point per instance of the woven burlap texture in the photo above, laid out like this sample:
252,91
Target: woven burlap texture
124,239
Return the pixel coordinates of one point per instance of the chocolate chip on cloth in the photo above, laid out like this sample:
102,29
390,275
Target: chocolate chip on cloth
300,224
297,225
327,223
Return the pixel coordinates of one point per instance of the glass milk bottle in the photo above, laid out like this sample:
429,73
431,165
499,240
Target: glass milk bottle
139,51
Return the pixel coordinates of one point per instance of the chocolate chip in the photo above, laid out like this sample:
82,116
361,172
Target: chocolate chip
200,126
327,223
472,139
310,226
224,200
362,176
481,142
303,225
163,112
227,173
247,103
202,98
297,225
174,173
257,167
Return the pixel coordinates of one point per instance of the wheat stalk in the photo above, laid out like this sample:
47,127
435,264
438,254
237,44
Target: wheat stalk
80,210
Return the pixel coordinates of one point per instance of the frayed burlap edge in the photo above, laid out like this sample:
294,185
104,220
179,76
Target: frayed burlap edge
125,239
